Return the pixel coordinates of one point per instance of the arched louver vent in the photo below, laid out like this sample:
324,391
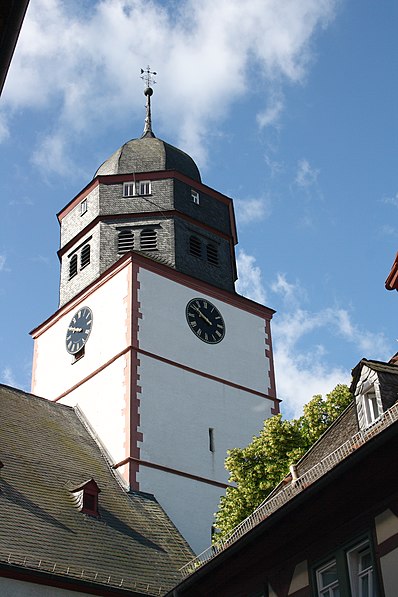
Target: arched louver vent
85,256
148,240
125,241
195,246
212,254
73,266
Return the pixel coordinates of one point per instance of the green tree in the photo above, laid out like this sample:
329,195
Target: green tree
256,469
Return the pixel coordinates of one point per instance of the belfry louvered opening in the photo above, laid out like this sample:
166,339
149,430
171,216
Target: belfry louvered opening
125,241
85,256
195,246
73,266
212,254
148,240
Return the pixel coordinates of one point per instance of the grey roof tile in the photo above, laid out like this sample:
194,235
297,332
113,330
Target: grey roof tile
46,451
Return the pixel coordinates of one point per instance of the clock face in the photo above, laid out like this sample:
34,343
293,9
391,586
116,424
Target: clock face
79,330
205,320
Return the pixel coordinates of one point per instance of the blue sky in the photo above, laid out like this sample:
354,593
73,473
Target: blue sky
288,106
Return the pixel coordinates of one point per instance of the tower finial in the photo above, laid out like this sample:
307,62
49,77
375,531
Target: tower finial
148,77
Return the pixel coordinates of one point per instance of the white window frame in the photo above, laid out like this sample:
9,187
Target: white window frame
361,577
129,189
195,197
83,207
328,590
143,187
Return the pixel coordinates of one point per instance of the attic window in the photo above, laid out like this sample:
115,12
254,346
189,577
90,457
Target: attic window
83,207
369,405
86,497
143,187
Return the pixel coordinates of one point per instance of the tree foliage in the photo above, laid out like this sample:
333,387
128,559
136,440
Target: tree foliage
256,469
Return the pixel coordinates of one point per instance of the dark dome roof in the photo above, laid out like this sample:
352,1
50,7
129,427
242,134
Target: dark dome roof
147,155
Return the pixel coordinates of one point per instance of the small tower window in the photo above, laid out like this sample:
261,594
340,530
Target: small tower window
83,207
73,266
128,189
195,246
125,241
144,187
85,256
195,197
212,254
148,240
211,439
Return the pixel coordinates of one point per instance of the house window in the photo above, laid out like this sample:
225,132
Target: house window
85,256
327,580
148,240
370,403
212,254
83,207
144,187
195,197
85,497
360,568
125,241
72,266
129,189
195,246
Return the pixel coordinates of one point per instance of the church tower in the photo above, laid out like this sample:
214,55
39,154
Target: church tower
168,364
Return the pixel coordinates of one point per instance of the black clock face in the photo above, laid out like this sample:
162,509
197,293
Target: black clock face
79,330
205,320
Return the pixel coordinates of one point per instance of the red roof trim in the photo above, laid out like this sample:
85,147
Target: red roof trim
392,280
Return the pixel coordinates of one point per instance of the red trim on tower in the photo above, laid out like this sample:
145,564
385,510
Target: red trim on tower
134,419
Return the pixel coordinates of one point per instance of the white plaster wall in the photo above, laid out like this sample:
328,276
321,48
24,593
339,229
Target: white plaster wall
239,357
19,588
389,572
56,370
102,400
189,506
177,408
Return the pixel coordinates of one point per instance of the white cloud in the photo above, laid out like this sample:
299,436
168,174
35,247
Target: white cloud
84,59
7,377
273,111
251,210
391,200
249,282
4,129
306,175
2,263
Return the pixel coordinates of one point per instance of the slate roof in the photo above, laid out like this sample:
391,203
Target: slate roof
148,154
378,366
46,449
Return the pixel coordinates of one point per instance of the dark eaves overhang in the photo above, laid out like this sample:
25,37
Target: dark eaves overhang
12,14
266,526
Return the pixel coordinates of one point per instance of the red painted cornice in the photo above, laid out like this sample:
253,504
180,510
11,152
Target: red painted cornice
392,280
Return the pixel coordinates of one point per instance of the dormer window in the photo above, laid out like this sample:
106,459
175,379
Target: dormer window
369,404
86,497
